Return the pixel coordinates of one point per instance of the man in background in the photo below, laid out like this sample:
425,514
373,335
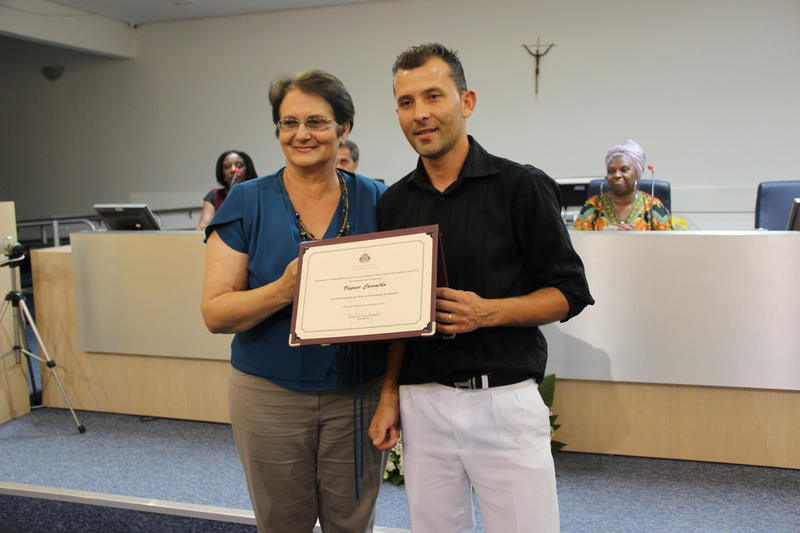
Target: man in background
347,158
471,412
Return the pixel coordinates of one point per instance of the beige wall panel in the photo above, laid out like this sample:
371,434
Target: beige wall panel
685,308
139,293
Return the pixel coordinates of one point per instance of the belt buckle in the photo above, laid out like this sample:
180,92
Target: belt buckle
466,385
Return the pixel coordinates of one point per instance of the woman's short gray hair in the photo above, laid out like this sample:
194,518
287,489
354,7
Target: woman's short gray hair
318,83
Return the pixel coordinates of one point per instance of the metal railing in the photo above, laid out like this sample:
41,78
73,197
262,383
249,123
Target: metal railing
50,229
54,225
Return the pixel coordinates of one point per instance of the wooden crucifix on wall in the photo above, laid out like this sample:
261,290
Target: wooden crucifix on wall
538,55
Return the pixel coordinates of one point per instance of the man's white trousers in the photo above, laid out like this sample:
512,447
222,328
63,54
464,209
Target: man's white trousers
496,440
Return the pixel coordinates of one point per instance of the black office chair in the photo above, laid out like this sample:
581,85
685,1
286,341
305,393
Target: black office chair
774,203
662,192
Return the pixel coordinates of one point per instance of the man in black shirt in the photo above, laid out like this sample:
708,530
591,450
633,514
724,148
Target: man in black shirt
470,408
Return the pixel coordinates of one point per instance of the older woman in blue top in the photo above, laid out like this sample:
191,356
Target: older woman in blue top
292,408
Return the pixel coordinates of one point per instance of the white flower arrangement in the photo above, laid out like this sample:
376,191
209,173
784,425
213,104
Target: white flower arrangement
394,465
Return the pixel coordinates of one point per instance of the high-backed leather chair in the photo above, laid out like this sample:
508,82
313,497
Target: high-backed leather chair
774,203
662,192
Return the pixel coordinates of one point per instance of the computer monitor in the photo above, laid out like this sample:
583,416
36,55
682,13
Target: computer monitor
573,191
127,217
794,216
572,194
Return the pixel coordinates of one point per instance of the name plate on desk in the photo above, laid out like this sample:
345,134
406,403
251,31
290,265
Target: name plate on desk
369,287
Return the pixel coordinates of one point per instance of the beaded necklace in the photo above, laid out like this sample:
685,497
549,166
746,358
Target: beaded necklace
306,235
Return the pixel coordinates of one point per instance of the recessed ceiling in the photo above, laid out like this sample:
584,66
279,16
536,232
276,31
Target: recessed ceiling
147,11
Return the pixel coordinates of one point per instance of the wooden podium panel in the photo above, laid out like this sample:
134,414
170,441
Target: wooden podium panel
690,352
601,409
168,387
715,424
14,398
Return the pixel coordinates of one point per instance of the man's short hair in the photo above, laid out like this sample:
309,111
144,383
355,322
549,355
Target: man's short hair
318,83
416,56
350,145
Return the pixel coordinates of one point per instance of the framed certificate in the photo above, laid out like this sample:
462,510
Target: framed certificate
375,286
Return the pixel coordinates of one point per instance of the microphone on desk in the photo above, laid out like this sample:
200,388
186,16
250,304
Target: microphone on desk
652,190
236,175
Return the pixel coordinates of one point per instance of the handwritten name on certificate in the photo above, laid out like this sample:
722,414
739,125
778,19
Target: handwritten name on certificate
366,287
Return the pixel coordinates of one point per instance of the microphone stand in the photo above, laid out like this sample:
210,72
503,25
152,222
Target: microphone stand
652,190
235,177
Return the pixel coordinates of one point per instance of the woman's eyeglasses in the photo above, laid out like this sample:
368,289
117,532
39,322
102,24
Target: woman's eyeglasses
315,124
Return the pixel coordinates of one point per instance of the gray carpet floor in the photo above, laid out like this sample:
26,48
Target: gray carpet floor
196,462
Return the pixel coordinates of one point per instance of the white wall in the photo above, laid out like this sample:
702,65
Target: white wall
708,88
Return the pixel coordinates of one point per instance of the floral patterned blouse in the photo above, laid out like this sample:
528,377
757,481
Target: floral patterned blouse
646,214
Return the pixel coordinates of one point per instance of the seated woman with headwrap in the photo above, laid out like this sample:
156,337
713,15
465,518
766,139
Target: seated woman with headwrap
624,206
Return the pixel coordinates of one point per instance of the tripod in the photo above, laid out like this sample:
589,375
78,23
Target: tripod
15,254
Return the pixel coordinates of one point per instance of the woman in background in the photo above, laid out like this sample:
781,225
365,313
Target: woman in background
296,412
624,207
233,166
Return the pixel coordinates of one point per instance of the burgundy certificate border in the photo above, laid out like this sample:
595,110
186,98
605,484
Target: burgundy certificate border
438,279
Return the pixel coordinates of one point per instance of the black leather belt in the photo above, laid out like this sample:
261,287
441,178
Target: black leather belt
483,381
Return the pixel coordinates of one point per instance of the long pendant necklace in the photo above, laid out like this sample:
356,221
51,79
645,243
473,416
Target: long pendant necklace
306,235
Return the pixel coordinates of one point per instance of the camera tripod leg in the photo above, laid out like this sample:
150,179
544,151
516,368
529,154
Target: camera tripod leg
20,321
36,395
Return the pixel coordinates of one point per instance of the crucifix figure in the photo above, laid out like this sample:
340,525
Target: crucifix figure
537,54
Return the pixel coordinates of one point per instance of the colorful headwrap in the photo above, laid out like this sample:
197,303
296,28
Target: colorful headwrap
632,151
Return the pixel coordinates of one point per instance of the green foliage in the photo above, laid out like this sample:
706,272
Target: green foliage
396,479
394,465
547,389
